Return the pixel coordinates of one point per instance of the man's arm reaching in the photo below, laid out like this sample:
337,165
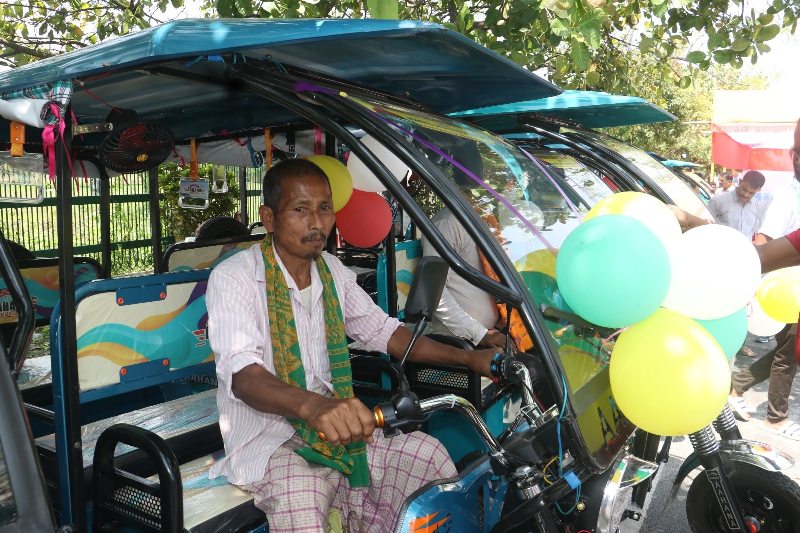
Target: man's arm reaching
342,421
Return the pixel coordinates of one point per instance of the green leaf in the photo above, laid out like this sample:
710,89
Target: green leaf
723,57
558,27
590,28
383,9
765,33
225,8
579,53
685,82
592,78
696,57
740,44
717,40
244,7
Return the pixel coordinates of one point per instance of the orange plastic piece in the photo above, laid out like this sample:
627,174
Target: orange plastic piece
120,300
17,139
123,371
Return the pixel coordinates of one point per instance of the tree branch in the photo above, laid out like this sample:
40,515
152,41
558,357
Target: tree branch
20,49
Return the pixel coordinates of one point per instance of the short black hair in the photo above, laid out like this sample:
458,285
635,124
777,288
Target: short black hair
290,168
754,178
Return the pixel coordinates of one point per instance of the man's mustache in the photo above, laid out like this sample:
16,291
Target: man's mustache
314,236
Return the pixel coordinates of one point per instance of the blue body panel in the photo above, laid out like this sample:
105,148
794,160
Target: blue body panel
591,109
452,505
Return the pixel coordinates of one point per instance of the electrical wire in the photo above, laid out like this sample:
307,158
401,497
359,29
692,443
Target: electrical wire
546,466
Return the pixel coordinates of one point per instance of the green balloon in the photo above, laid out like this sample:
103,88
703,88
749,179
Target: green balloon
613,271
729,331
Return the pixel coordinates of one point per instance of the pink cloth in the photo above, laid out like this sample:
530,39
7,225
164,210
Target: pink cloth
297,496
240,336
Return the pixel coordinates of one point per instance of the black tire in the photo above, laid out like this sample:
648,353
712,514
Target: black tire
771,498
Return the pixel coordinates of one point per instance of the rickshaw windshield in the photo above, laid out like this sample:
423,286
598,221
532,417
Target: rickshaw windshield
526,209
681,194
587,182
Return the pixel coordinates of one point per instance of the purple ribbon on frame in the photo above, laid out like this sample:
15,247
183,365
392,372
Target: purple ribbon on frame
310,87
499,197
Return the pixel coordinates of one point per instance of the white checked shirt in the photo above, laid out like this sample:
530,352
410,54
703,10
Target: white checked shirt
240,336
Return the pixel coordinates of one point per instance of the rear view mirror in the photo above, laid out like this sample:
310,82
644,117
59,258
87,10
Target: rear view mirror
426,289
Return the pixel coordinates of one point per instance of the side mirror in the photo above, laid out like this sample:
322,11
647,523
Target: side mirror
426,289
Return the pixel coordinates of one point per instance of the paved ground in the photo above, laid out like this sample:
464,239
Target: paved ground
673,519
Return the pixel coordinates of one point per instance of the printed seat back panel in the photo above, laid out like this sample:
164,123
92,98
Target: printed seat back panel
42,284
196,256
134,328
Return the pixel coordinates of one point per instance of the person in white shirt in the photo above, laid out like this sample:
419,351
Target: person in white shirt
725,183
294,434
464,310
742,208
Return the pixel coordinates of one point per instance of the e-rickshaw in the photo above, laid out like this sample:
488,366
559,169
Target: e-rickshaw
130,422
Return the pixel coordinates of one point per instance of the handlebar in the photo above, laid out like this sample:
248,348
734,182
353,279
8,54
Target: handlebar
405,410
384,412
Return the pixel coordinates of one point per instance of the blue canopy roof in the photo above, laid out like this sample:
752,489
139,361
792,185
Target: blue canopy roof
591,109
674,163
439,68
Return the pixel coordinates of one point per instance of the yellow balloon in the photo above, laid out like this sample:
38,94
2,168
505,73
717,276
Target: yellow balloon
338,176
669,376
647,209
543,261
779,294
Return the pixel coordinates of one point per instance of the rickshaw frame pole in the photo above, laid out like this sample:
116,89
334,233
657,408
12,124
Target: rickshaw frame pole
155,218
243,196
66,387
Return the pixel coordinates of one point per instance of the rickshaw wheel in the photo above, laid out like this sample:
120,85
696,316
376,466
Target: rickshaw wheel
770,501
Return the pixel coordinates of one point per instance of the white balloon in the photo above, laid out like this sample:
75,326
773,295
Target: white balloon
363,178
697,289
759,323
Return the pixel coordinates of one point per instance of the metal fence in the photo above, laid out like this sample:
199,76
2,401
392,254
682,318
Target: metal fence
34,226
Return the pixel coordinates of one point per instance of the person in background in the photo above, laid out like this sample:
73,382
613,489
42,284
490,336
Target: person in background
725,182
742,208
780,364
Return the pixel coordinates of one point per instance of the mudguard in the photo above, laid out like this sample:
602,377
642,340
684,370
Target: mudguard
753,452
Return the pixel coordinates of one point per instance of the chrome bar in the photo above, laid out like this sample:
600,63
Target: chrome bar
459,404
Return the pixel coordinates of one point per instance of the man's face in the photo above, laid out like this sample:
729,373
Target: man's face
745,191
304,217
726,183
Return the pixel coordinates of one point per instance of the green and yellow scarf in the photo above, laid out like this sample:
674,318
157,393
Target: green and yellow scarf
350,460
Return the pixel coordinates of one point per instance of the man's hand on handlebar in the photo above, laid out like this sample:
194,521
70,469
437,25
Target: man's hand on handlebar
339,421
493,339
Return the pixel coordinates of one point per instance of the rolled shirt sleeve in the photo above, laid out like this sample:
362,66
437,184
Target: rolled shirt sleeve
234,334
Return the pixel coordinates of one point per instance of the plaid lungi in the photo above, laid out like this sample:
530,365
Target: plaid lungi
297,496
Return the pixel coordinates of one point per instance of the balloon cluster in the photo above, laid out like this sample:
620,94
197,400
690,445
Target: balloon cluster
628,266
363,216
